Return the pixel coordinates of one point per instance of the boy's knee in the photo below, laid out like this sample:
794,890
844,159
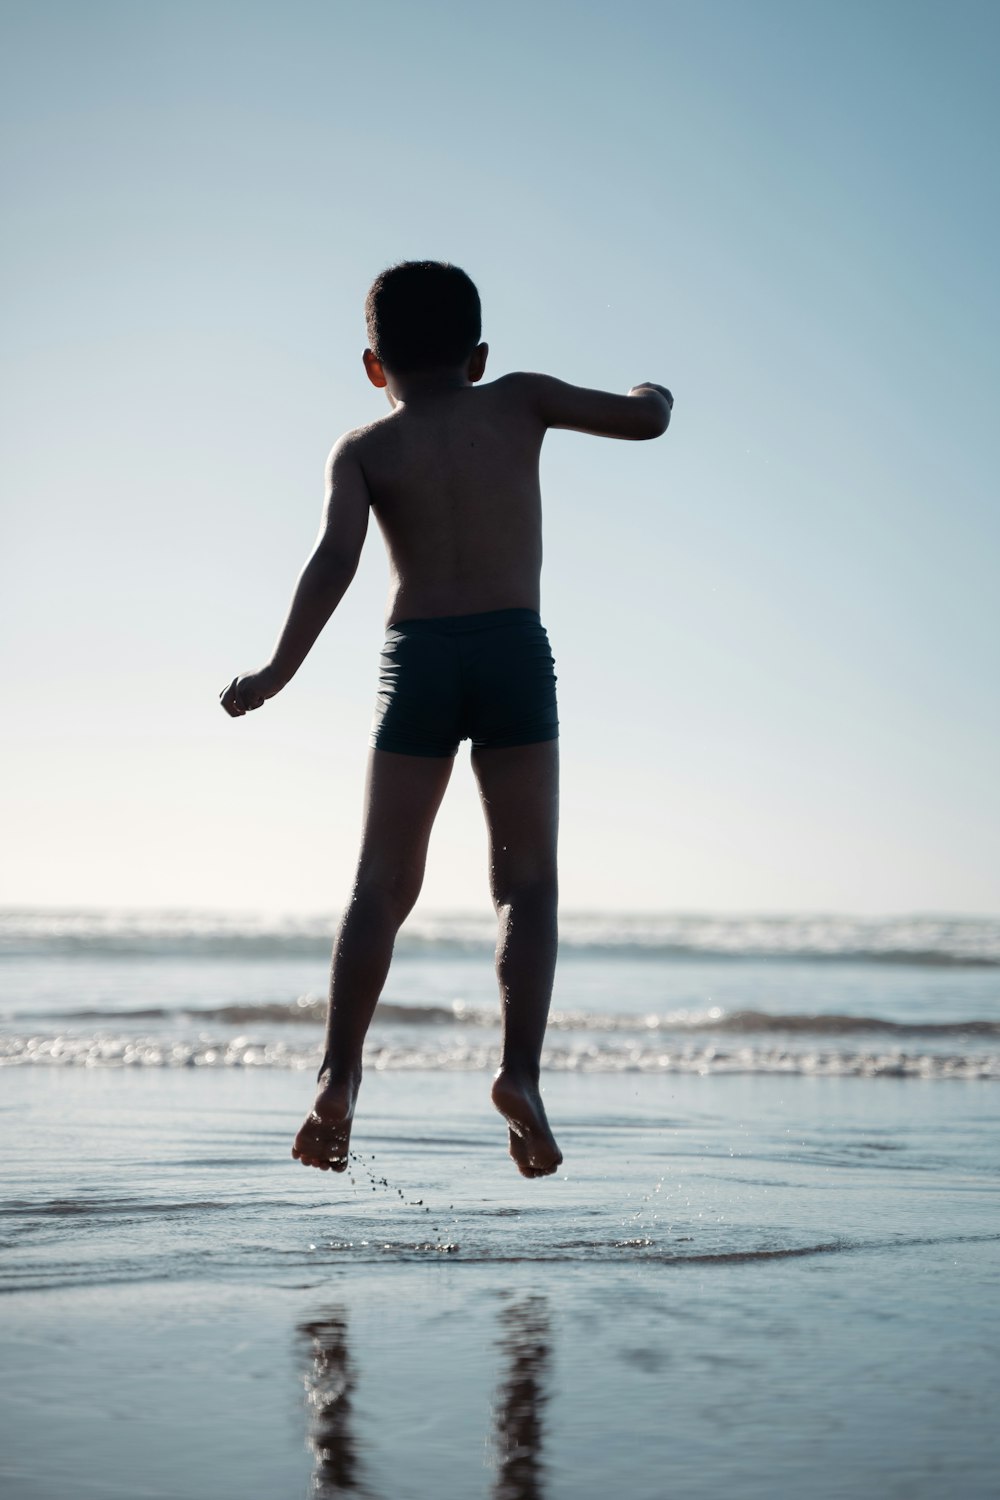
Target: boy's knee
534,891
391,894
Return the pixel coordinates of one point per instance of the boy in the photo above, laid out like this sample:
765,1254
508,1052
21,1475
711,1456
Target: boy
451,475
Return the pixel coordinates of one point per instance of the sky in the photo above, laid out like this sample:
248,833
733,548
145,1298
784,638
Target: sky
776,629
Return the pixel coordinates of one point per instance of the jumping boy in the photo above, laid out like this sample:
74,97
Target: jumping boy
451,475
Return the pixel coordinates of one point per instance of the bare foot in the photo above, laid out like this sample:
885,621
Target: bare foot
532,1145
325,1136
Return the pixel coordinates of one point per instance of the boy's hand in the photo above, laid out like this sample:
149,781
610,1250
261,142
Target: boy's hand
248,691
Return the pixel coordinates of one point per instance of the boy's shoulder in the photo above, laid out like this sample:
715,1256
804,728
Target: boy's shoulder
539,401
519,389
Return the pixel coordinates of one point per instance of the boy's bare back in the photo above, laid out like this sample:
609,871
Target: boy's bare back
452,479
451,476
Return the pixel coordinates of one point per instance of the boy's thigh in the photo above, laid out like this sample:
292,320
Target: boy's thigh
519,787
402,797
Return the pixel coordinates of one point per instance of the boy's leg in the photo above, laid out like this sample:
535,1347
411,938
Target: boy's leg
402,796
520,794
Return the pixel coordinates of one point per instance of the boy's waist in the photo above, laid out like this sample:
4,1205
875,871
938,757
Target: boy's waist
465,624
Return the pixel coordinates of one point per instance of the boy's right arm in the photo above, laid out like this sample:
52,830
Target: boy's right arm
643,413
321,584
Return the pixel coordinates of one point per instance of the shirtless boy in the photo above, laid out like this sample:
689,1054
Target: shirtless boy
451,476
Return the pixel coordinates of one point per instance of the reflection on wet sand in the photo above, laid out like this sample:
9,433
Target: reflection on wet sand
329,1382
518,1410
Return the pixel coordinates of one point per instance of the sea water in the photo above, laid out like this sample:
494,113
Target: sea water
916,997
769,1264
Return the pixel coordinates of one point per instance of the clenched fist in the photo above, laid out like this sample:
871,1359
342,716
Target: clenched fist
247,692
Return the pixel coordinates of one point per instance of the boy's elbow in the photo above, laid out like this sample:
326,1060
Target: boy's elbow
654,425
658,426
653,412
333,566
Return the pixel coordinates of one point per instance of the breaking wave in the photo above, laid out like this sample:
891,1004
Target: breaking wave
914,940
311,1011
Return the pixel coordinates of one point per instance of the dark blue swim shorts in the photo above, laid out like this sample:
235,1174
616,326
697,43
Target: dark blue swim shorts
486,678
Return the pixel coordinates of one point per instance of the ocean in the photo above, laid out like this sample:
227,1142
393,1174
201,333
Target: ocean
769,1263
816,995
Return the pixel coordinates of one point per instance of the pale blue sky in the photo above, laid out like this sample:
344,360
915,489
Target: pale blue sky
776,629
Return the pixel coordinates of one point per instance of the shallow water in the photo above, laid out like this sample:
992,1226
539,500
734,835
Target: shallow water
755,1285
166,1174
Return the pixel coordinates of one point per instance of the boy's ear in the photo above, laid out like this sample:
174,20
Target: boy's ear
477,362
374,370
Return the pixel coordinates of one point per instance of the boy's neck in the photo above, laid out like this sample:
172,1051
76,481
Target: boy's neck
419,384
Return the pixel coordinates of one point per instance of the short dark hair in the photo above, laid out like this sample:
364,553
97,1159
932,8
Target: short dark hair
422,315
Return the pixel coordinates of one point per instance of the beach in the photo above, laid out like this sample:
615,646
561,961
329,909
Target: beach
760,1271
328,325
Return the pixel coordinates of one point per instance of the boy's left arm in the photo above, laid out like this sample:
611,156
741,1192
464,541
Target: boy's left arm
321,586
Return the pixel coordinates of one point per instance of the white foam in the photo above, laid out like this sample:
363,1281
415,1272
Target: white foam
638,1056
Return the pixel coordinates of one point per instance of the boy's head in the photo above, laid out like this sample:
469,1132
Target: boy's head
422,315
